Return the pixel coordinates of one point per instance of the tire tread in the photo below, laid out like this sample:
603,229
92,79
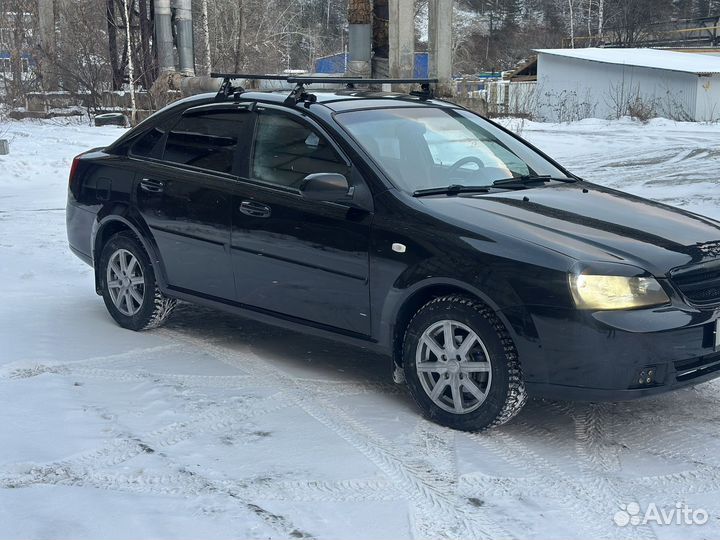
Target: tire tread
162,305
516,395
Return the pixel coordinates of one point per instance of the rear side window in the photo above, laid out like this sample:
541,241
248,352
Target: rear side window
287,150
149,145
208,140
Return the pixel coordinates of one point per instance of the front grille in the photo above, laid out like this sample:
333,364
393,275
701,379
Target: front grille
686,370
699,284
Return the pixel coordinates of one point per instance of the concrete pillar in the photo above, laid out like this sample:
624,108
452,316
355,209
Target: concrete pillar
401,38
184,32
440,40
46,27
163,34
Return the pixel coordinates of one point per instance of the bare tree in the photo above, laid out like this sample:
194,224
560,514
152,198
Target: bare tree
204,63
117,63
17,18
147,63
131,70
83,63
630,20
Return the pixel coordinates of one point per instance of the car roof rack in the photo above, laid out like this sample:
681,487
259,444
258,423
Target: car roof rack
299,94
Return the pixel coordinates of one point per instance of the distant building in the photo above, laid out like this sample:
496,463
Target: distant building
7,20
337,63
607,83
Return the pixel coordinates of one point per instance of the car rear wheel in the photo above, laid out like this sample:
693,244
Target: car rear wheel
461,365
129,288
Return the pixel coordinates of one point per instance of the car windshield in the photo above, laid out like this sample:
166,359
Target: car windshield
431,147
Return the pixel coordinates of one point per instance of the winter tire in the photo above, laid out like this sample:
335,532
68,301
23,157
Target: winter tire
128,285
461,365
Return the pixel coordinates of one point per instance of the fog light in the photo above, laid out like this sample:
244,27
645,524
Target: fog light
647,376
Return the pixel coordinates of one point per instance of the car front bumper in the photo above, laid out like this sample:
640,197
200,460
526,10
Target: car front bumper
609,356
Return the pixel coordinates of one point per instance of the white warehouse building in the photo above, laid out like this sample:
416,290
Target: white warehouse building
608,83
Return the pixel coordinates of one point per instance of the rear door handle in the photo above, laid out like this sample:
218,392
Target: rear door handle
153,186
255,209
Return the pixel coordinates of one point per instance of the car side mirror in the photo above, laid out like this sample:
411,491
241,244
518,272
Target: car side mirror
328,187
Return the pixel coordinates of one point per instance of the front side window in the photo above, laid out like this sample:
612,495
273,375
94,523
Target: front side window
206,140
287,150
429,147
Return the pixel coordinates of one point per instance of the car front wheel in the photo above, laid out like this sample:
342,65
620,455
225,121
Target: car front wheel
129,287
461,365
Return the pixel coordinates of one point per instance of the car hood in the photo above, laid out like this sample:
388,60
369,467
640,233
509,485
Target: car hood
591,223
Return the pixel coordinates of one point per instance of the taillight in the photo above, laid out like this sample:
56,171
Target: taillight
73,168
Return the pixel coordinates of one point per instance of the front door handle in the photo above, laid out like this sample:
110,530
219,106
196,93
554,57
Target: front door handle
255,209
153,186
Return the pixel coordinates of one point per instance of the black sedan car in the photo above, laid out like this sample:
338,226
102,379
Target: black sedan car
410,226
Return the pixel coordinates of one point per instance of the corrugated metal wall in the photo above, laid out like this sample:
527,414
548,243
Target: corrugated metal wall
708,99
571,89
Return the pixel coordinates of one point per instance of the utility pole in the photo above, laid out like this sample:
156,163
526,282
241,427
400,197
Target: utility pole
46,27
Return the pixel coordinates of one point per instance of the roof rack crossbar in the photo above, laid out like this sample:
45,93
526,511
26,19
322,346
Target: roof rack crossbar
357,80
299,94
236,76
301,79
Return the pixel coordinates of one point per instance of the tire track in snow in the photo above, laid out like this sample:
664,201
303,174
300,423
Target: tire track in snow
599,459
448,519
545,478
184,483
27,368
81,470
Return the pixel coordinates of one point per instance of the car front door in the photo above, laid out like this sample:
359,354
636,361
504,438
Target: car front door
292,256
185,197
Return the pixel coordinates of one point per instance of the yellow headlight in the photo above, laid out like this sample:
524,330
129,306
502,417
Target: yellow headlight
616,292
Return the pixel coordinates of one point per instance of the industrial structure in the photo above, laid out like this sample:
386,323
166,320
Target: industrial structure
390,52
183,34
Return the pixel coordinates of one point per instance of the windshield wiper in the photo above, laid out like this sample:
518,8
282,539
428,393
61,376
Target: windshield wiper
523,181
452,189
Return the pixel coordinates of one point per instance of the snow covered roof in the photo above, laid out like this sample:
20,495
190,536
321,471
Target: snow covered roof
648,58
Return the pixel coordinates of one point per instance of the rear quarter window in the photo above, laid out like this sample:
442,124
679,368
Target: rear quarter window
149,144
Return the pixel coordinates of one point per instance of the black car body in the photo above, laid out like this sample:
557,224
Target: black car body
359,269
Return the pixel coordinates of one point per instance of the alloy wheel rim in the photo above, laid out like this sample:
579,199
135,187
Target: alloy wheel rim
453,366
125,282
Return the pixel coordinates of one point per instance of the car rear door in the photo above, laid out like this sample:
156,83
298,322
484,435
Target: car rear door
291,256
185,197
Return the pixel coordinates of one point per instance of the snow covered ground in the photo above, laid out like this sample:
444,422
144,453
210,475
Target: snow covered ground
217,427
